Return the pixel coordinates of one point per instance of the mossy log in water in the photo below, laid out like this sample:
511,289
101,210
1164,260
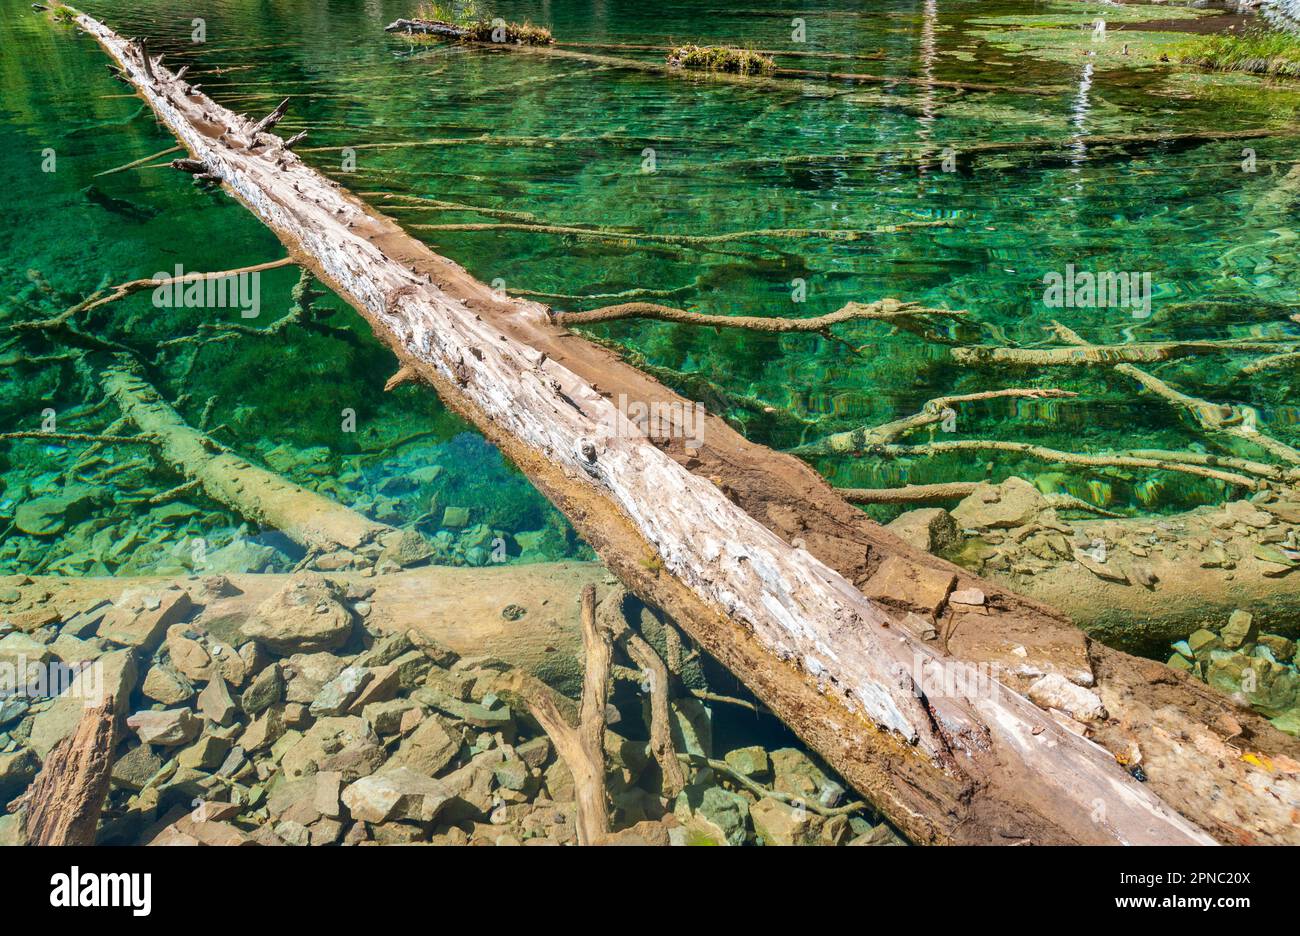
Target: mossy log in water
721,59
1027,775
758,71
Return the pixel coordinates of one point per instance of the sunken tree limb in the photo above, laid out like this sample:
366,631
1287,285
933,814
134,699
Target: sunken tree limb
749,551
65,799
307,518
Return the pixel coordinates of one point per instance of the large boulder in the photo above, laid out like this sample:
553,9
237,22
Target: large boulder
305,616
1012,503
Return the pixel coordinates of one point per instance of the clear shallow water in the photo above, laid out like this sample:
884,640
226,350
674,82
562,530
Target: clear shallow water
567,143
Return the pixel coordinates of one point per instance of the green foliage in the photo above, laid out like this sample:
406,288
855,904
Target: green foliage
1260,52
721,59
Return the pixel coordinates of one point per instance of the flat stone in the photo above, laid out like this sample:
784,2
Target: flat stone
381,687
141,620
907,585
338,694
216,703
114,674
776,823
18,651
1054,691
266,690
134,768
749,762
386,717
265,730
17,771
396,795
428,749
51,514
187,654
166,728
306,673
1239,630
1202,640
455,518
207,753
1015,502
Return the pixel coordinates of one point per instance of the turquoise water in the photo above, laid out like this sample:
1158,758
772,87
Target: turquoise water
565,142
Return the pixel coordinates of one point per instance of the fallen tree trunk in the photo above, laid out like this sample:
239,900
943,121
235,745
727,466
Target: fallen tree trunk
684,529
307,518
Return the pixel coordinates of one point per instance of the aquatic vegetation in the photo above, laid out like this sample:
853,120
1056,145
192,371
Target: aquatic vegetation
721,59
1259,52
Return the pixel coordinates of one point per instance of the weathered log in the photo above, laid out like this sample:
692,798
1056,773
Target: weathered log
309,519
685,530
65,799
271,119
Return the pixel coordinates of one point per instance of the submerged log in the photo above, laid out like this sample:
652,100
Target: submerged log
307,518
756,558
65,799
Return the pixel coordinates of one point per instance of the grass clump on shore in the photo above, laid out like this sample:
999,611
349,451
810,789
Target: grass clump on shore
721,59
1261,52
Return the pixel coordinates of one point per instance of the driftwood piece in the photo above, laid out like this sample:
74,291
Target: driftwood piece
702,534
309,519
65,799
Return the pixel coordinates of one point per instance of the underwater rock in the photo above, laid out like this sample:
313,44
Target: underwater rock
931,529
1239,630
163,684
398,794
776,823
305,616
216,703
167,728
17,770
140,619
49,515
455,518
749,762
1012,503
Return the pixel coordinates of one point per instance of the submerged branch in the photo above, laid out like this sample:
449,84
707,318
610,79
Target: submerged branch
882,310
934,411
